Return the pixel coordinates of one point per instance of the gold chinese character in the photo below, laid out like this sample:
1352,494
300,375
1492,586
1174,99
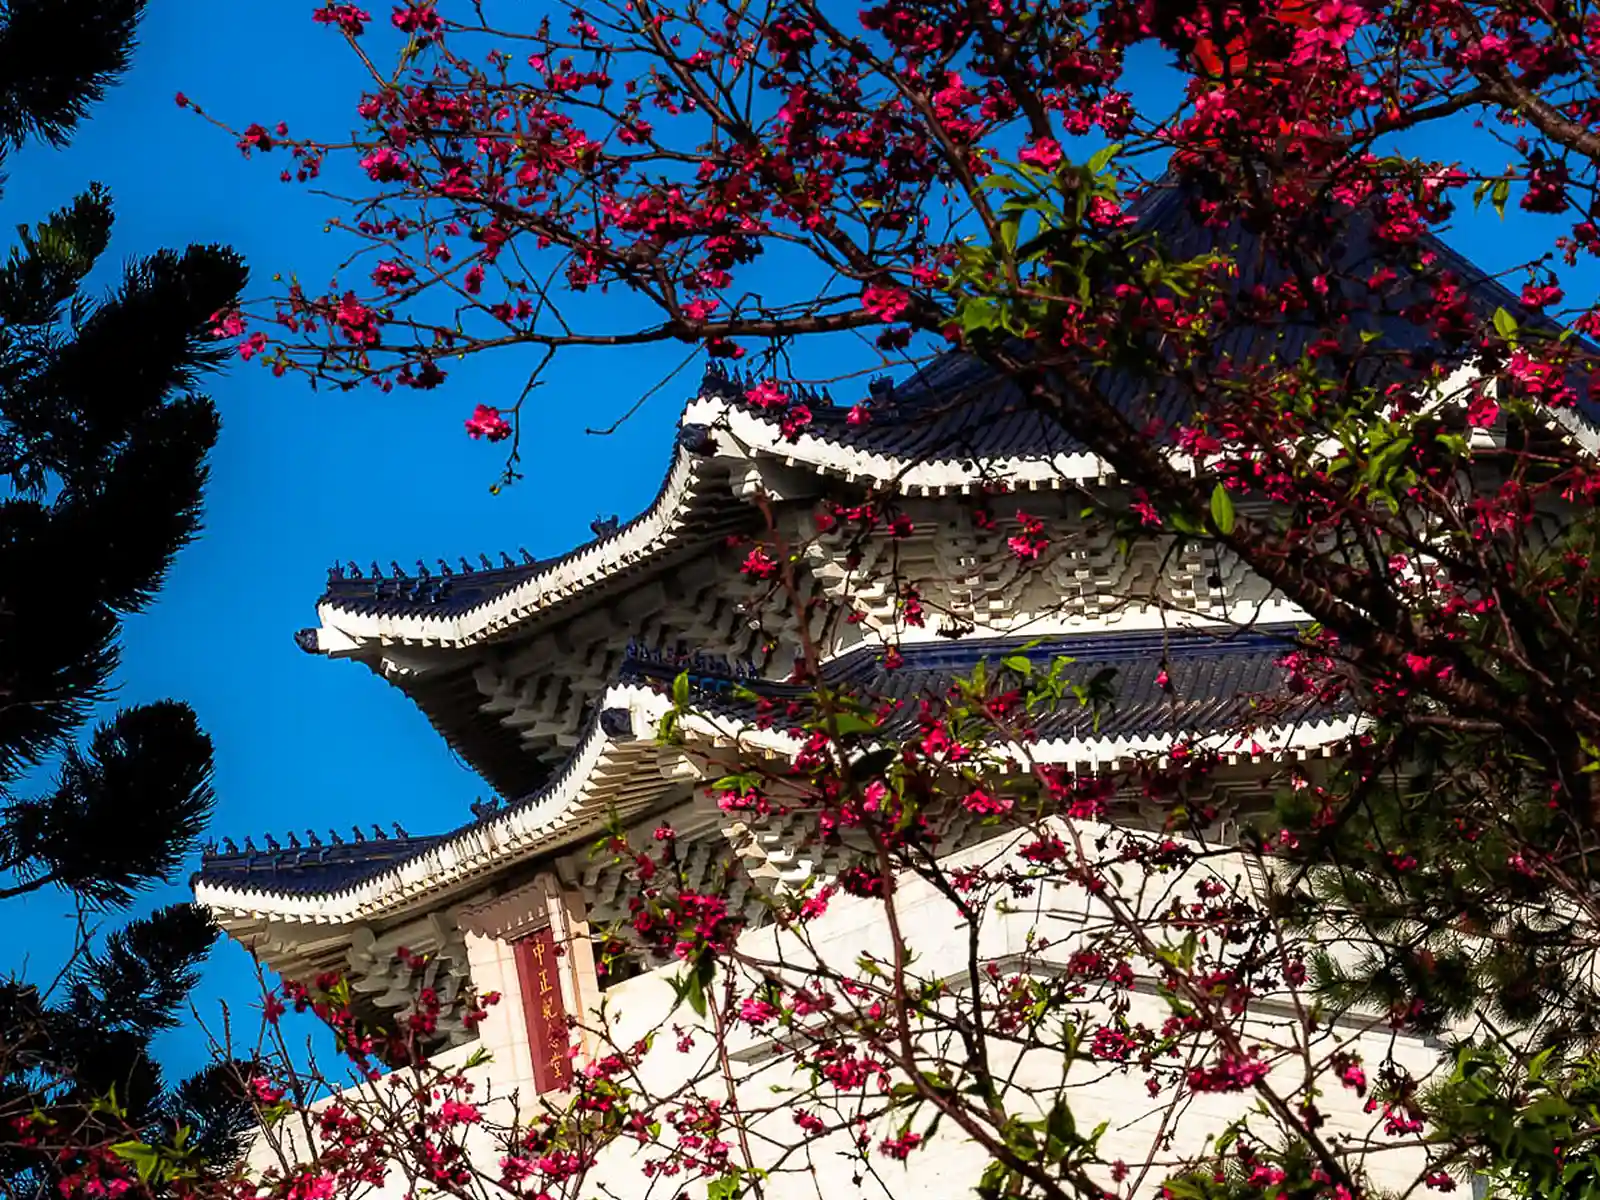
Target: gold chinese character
538,951
544,982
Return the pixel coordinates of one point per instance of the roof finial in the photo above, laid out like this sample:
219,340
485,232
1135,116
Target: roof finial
422,570
229,846
360,837
294,842
466,567
506,560
484,559
377,571
444,567
312,839
399,830
249,846
352,570
395,567
333,836
526,557
604,527
378,834
272,842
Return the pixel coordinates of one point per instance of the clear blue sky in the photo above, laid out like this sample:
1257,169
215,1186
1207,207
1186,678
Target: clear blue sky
300,478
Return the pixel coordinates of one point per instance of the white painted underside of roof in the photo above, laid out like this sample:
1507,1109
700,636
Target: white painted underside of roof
583,788
913,476
740,436
343,631
602,767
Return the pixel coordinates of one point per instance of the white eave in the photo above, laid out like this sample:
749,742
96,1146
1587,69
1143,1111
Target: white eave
913,475
344,630
625,777
581,797
666,523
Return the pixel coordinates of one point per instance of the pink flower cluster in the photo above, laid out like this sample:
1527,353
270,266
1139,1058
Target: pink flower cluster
486,422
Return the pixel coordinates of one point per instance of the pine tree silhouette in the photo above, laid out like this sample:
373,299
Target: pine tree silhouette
103,446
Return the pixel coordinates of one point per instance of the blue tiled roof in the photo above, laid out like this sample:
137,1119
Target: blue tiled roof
1216,679
441,589
960,409
310,870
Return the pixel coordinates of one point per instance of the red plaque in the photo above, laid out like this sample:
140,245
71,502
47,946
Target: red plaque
538,968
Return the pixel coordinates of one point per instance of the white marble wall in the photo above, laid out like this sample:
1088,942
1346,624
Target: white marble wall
950,1165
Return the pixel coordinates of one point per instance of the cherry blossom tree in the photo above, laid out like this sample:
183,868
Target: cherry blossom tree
1293,372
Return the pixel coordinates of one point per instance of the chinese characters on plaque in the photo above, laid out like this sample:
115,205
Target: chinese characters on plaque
538,966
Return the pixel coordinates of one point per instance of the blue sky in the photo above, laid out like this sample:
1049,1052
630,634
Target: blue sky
301,478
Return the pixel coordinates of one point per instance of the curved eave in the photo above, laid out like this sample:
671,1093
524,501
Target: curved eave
624,777
606,774
908,474
1573,429
691,485
671,522
696,485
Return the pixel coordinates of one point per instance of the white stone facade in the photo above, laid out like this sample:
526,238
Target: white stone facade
1137,1125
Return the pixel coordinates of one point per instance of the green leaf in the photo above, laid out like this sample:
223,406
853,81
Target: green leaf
144,1157
847,723
705,971
1501,193
691,986
1062,1129
1008,234
994,1181
724,1187
1505,324
1183,522
680,690
667,730
1000,182
1100,158
108,1103
1017,663
975,316
1536,1068
1221,510
1387,459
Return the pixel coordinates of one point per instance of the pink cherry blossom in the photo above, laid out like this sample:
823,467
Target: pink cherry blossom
886,303
1045,154
759,564
766,395
345,16
486,422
